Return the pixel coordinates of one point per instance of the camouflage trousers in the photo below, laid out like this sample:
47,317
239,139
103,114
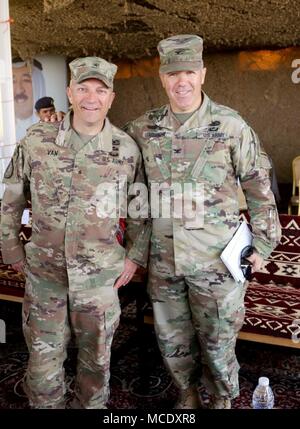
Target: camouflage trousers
197,320
51,312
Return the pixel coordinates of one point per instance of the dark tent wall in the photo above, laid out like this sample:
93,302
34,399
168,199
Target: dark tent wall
130,29
257,84
249,47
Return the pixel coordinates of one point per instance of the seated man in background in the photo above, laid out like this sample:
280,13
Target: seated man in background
44,108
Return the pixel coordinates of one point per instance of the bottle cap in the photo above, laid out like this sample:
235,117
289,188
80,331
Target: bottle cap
263,381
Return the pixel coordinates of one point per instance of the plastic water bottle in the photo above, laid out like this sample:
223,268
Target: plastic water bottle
263,397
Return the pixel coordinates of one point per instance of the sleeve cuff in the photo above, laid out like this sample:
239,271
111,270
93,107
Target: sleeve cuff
262,247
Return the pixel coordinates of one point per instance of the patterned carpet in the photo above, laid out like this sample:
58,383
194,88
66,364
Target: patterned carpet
272,310
283,265
273,295
129,388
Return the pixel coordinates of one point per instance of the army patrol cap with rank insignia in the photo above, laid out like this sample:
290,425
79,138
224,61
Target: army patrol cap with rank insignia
181,52
93,68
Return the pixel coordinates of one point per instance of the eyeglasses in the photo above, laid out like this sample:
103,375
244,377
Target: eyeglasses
245,263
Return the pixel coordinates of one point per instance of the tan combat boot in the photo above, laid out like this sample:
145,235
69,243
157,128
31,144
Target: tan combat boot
188,399
220,403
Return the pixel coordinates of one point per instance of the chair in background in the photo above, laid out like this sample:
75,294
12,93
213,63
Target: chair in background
295,198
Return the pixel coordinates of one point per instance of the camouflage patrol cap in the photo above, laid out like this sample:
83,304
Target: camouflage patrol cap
181,52
93,68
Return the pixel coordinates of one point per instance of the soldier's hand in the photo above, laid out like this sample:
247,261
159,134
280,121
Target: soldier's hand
56,117
127,274
19,266
256,261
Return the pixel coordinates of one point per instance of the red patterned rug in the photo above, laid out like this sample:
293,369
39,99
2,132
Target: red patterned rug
11,282
272,310
283,265
273,296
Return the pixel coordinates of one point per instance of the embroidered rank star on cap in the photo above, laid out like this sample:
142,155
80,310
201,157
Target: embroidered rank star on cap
93,68
181,52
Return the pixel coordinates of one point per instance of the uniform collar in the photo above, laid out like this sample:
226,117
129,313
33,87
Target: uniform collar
202,116
104,137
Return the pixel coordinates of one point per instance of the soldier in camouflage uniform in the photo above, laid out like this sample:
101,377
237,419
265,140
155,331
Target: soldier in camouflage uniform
198,307
74,258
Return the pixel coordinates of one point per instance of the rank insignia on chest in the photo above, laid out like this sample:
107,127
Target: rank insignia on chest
214,126
177,152
115,148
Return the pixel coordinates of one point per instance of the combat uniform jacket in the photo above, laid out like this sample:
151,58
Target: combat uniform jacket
70,230
214,148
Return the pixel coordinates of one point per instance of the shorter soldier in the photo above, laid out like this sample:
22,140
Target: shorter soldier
198,307
73,263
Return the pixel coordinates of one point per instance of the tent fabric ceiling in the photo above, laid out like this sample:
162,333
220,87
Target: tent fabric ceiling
131,29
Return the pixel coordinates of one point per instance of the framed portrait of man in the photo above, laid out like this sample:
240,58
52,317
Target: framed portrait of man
32,79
